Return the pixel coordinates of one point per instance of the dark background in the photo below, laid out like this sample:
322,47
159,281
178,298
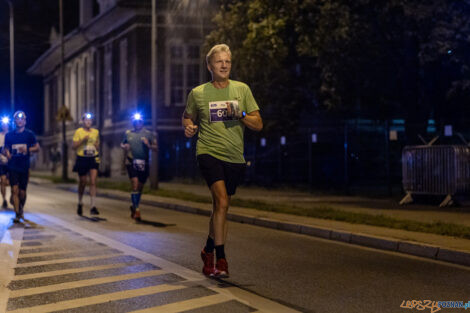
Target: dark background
33,22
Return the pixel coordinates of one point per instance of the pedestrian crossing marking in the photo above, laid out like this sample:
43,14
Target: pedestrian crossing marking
65,242
73,270
77,259
98,299
65,255
186,305
82,283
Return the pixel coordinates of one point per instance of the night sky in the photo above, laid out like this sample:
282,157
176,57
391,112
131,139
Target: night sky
33,22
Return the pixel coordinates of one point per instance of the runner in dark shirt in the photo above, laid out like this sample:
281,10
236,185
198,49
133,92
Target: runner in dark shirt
137,144
19,144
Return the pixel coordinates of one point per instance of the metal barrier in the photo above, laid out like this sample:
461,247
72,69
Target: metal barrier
436,170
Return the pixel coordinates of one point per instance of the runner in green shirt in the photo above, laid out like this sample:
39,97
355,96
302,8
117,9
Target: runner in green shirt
220,110
137,144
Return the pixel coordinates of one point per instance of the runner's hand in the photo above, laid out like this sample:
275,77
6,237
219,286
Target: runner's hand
145,141
126,146
231,112
190,130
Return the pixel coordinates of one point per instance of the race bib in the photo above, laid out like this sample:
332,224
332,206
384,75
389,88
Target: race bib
20,148
218,110
89,150
139,165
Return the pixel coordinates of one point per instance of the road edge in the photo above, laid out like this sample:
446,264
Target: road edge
395,245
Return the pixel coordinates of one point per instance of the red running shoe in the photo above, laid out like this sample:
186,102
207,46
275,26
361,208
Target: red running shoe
137,216
221,269
208,259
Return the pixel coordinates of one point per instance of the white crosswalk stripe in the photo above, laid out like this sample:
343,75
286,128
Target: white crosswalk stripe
70,269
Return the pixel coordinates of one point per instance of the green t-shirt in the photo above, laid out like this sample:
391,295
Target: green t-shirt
220,136
138,149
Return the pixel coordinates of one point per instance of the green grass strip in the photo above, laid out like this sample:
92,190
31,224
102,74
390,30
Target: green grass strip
446,229
55,179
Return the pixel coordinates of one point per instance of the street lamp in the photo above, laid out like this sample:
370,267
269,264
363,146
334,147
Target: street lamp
12,57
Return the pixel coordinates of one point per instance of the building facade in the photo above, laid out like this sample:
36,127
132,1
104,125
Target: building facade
108,72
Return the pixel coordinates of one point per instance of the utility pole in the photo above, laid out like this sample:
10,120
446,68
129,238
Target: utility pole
12,57
65,158
154,164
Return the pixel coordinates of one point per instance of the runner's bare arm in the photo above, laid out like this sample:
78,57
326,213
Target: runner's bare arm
97,144
7,153
190,129
152,145
34,148
253,121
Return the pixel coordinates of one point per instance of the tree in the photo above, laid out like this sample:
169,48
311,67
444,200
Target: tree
376,59
262,38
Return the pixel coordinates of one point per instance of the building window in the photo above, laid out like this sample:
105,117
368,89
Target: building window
123,67
183,72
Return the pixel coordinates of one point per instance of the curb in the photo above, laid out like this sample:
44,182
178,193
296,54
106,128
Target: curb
405,247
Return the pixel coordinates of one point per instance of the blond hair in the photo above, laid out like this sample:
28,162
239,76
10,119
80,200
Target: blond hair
216,49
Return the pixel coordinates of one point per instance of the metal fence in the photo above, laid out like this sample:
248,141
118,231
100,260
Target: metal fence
436,170
343,155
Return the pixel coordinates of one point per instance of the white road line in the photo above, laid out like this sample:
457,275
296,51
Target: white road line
74,270
72,250
70,304
9,249
82,283
60,246
78,259
240,295
186,304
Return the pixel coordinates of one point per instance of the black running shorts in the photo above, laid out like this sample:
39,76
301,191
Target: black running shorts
141,173
3,170
213,169
83,165
19,179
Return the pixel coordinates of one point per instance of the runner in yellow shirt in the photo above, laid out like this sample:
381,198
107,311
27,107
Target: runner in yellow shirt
86,142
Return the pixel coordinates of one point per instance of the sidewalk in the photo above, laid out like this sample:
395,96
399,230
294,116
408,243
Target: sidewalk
444,248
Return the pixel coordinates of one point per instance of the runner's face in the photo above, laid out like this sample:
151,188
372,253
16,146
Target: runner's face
87,122
138,125
20,122
220,66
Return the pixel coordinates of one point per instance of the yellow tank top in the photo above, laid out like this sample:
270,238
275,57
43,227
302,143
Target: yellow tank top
87,148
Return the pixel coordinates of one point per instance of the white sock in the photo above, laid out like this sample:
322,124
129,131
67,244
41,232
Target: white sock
92,201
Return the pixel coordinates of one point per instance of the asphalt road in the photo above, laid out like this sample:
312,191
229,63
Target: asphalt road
300,272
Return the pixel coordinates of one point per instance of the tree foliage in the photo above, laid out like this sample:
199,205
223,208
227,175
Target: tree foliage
376,59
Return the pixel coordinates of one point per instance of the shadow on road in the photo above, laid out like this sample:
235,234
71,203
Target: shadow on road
23,223
154,224
93,218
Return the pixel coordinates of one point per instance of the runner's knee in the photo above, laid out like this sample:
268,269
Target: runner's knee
221,203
